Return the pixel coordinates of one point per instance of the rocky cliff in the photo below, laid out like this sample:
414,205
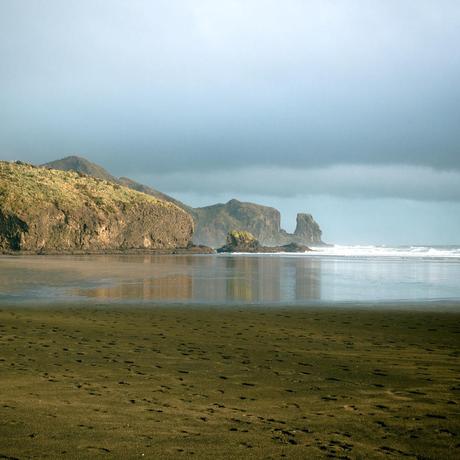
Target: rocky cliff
308,230
213,223
52,210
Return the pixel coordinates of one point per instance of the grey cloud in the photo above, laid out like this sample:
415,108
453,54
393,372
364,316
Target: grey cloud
200,85
344,181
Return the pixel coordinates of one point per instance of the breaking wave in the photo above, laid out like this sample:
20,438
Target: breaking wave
387,251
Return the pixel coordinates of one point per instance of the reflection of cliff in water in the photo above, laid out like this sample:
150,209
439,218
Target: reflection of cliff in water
168,288
261,279
253,279
220,280
307,278
225,279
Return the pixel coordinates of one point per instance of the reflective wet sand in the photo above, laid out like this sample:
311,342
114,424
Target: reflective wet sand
225,279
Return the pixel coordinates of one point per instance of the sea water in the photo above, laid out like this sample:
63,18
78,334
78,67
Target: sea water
327,275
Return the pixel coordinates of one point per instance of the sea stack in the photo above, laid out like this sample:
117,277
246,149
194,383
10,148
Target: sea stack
307,229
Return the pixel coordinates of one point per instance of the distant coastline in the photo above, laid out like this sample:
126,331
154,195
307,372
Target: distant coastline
74,206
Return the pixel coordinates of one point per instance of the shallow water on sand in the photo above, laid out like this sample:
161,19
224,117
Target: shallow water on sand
226,279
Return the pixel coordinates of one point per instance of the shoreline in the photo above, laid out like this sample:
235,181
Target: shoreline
107,252
118,382
383,306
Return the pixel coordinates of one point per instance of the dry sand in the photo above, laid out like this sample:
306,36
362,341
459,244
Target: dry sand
220,383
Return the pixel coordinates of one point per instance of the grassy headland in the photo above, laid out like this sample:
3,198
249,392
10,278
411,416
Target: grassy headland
47,210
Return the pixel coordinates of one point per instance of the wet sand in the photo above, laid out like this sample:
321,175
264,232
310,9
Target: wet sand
229,383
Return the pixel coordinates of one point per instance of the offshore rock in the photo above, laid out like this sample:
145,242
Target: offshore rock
307,229
243,241
213,223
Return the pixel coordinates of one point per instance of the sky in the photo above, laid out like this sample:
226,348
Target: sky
347,109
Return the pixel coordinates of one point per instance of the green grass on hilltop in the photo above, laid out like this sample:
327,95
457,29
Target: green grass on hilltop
24,186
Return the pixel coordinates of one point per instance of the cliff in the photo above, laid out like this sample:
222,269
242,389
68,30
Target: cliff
307,227
307,232
213,223
53,210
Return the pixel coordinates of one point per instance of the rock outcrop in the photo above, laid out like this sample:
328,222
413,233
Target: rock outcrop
213,223
307,229
242,241
45,210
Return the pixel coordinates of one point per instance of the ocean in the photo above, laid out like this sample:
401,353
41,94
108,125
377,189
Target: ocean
328,275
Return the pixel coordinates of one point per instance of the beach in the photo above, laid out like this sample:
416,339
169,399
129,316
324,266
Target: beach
229,230
110,381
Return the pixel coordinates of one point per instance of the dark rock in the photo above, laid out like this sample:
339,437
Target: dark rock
294,247
307,229
243,241
196,249
213,223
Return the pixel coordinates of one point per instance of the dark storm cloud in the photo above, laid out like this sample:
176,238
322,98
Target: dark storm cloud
198,85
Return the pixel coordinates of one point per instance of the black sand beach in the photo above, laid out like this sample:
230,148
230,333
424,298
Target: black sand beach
176,382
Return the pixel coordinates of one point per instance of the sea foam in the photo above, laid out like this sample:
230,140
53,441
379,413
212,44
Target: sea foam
388,251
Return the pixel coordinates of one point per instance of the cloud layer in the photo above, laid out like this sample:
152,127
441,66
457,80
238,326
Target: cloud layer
345,181
186,85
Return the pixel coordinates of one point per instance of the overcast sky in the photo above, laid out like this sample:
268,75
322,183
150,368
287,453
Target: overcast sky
346,109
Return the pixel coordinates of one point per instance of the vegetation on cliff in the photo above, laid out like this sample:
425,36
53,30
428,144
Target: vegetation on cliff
80,164
241,241
53,210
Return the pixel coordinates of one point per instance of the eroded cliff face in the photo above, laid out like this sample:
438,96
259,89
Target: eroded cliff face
308,229
51,210
214,223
